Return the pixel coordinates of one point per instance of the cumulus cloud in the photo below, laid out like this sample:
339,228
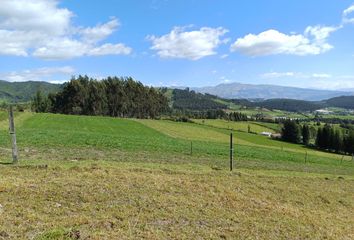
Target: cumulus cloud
191,45
42,29
273,42
348,14
38,74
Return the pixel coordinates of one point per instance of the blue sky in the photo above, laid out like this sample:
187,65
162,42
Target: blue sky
181,42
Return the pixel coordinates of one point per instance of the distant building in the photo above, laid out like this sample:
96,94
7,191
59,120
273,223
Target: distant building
323,111
276,135
268,134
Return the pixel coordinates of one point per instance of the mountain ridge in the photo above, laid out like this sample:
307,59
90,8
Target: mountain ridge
269,91
24,91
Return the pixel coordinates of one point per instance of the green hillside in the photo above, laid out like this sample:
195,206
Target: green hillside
210,140
24,91
341,102
130,179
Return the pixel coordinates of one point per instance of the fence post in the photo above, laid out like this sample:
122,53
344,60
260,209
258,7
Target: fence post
341,161
306,157
13,135
231,153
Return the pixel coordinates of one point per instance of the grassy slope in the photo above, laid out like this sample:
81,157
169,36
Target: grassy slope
115,178
109,200
240,126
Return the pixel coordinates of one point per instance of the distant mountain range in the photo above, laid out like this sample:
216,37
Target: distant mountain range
24,91
263,91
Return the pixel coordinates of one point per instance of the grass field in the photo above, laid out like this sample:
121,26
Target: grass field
239,126
106,178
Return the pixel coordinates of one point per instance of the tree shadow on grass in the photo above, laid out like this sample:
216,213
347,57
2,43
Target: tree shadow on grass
6,163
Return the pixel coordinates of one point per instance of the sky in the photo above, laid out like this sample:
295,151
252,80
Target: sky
192,43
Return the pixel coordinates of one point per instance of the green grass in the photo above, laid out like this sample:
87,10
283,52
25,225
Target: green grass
40,132
110,200
239,126
108,178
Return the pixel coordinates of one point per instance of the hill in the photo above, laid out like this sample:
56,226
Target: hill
185,99
131,179
341,102
250,91
290,105
24,91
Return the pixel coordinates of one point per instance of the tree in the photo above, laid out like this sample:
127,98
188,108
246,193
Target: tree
337,141
291,132
114,97
348,143
40,103
319,138
305,131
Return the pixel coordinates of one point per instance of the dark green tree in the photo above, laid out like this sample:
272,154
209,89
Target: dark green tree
291,132
305,131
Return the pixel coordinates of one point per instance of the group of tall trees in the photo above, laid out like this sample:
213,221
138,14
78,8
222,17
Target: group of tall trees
327,137
291,132
113,96
331,138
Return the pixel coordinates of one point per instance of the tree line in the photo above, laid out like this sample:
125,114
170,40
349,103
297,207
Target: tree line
326,137
113,96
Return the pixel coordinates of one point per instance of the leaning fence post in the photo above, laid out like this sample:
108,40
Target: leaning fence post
13,135
231,153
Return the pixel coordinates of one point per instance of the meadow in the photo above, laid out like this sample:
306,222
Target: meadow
83,177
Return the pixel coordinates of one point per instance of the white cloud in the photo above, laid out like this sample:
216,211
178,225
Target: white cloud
191,45
270,75
323,81
321,75
320,33
224,79
273,42
277,74
38,74
348,16
108,48
42,29
99,32
337,83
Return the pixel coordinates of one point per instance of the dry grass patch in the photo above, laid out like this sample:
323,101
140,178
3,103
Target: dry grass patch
107,200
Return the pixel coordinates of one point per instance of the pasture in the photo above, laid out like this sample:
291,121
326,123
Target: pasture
83,177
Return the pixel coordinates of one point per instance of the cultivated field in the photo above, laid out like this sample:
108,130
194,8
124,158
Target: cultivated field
104,178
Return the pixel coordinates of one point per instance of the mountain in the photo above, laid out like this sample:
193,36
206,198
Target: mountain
252,91
24,91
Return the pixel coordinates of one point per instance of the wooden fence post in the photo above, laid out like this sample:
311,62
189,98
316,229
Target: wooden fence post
231,153
13,135
341,161
306,157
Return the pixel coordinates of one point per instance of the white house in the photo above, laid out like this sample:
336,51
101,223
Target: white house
268,134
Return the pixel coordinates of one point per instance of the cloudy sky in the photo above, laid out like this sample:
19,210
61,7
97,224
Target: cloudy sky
180,42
